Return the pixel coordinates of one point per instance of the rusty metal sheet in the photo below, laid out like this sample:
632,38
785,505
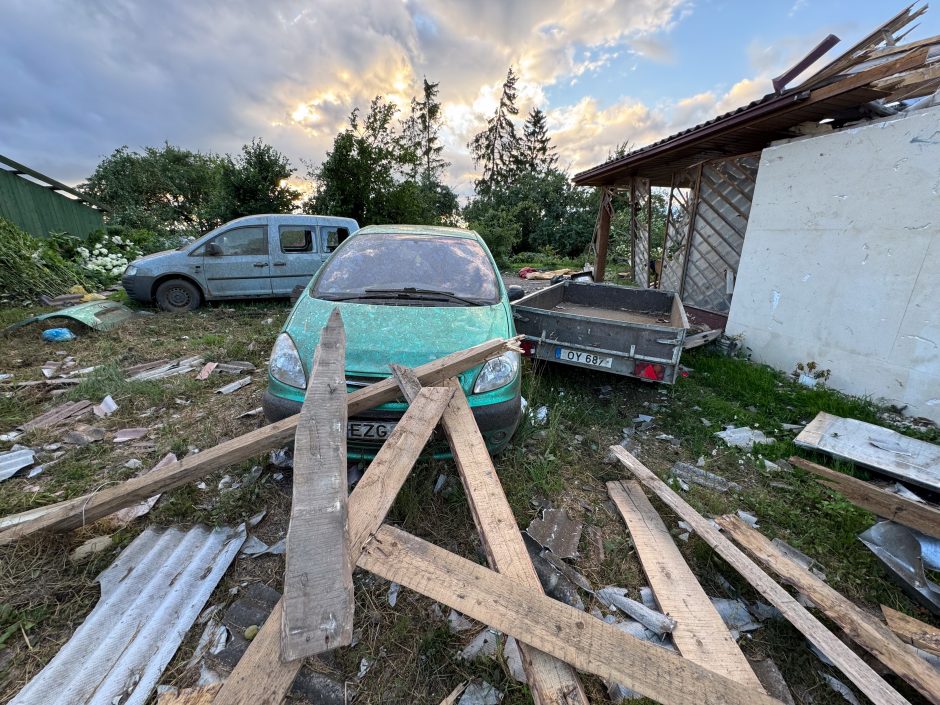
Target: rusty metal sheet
150,597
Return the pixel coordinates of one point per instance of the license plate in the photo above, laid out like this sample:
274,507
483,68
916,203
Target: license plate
369,430
583,358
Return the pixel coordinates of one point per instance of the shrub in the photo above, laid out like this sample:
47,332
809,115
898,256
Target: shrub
30,267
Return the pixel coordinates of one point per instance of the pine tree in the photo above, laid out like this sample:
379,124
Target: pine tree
429,122
538,154
497,147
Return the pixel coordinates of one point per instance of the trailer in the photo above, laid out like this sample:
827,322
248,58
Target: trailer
631,332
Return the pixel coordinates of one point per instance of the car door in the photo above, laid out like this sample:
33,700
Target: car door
294,257
330,238
237,263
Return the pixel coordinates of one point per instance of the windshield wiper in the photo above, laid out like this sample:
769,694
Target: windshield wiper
410,292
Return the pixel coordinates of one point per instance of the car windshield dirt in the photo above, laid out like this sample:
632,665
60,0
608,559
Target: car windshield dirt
372,266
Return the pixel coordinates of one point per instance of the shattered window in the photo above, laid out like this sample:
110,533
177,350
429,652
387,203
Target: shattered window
397,261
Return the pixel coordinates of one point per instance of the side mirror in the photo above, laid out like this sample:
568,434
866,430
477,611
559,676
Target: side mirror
214,250
515,292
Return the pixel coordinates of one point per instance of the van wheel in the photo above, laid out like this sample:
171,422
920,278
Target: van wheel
178,295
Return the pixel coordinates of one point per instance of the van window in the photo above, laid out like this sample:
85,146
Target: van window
296,239
250,240
331,236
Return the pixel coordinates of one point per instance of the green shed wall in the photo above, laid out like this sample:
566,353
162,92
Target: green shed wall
39,210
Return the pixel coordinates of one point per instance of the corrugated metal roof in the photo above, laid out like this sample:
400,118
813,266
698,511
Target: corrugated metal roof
150,597
13,461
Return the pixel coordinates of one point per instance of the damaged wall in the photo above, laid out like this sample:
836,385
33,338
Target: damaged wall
841,263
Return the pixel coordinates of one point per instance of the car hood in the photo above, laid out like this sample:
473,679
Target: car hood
407,335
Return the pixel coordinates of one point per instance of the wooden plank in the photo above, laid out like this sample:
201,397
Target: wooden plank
318,588
863,629
261,677
570,635
82,510
913,631
551,681
895,455
912,60
694,341
191,696
700,634
841,655
915,515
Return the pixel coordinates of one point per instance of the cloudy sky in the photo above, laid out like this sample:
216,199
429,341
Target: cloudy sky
82,77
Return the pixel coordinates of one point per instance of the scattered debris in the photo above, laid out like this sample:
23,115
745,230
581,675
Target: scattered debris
90,547
253,412
105,408
899,550
839,687
484,644
68,411
83,434
901,491
163,368
772,680
566,570
364,667
479,692
698,476
214,638
15,460
735,615
540,416
150,597
514,660
130,434
234,386
654,621
234,368
58,335
393,594
747,518
125,516
206,371
457,623
98,315
798,557
557,532
743,437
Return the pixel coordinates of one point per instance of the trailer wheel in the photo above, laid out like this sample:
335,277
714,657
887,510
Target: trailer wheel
178,295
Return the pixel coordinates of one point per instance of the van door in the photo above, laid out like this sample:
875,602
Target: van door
237,263
294,258
330,238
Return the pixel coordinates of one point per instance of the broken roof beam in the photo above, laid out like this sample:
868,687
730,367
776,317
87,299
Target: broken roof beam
700,634
864,629
846,660
318,588
816,53
82,510
551,681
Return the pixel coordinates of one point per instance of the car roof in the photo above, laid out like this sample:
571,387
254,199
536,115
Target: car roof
288,219
432,230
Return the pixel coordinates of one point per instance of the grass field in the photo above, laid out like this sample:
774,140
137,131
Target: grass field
44,596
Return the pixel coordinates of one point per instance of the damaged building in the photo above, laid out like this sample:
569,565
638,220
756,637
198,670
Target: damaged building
807,222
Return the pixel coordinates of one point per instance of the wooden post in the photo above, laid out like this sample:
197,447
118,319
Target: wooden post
603,233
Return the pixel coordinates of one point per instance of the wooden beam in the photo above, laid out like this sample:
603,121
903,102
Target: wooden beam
570,635
893,507
261,677
551,681
913,60
318,588
603,233
913,631
700,634
864,629
841,655
203,695
88,508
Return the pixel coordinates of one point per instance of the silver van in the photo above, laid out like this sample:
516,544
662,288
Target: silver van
258,256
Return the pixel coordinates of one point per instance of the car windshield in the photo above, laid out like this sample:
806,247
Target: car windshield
374,264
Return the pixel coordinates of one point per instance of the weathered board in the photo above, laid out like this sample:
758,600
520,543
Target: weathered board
913,631
318,588
875,447
864,629
859,672
924,518
552,682
700,634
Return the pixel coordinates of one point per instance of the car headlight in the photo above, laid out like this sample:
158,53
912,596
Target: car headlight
130,271
285,363
498,372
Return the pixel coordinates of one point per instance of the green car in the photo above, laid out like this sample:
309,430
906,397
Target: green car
408,295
